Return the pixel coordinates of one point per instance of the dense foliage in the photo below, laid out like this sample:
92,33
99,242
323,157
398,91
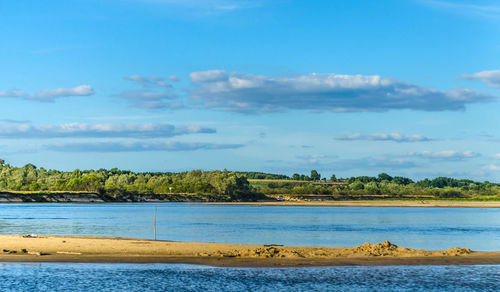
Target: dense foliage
262,175
383,185
225,185
234,186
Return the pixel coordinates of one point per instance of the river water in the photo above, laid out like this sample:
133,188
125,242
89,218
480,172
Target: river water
417,227
428,228
164,277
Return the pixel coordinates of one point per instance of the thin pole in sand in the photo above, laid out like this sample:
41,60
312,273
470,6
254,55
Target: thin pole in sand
155,221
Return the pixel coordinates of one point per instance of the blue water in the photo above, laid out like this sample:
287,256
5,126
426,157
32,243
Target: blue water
163,277
427,228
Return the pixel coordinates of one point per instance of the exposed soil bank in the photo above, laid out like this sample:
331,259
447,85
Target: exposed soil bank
49,248
83,197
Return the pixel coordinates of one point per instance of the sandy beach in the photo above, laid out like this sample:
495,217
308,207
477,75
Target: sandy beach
50,248
375,203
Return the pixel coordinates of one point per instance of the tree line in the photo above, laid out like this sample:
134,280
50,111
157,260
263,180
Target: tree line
381,185
232,186
224,185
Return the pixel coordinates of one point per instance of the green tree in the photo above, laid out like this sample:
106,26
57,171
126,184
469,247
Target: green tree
357,185
315,176
384,176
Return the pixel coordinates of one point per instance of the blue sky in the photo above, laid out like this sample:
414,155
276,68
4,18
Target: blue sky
347,87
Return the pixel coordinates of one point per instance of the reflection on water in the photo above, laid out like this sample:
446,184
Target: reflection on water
429,228
163,277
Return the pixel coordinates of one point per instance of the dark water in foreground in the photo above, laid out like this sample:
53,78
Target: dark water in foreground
164,277
427,228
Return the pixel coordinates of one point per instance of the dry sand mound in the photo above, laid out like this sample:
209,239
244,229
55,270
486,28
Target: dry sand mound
384,249
261,252
365,250
389,249
457,251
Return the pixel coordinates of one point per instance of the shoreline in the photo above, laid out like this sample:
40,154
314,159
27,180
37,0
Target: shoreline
93,249
370,203
82,199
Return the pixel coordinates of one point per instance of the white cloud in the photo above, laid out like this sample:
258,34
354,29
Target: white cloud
445,155
209,76
488,9
151,99
492,167
154,81
13,93
492,77
209,6
138,146
83,130
322,92
318,158
146,95
496,156
51,94
385,163
396,137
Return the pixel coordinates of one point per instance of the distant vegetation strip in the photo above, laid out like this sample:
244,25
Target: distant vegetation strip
225,186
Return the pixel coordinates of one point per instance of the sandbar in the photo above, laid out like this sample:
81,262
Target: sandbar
92,249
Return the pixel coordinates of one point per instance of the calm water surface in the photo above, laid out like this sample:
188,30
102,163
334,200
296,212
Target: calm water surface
162,277
428,228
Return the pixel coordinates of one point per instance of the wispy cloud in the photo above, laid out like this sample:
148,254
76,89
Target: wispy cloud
480,8
496,156
154,81
209,76
316,158
379,164
151,99
10,121
395,137
49,95
138,146
245,93
444,155
492,77
154,93
208,7
83,130
384,163
13,93
492,167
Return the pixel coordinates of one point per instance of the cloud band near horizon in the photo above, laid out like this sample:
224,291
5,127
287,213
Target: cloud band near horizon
49,95
84,130
168,146
395,137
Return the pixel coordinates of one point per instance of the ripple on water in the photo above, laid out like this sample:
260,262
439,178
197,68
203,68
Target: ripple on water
166,277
